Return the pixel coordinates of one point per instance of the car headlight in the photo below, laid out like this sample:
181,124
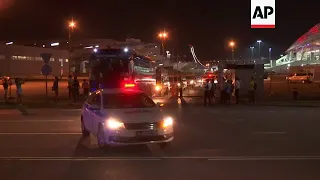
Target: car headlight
191,82
114,124
167,122
179,84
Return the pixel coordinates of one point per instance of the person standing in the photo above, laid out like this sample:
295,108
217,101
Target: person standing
5,85
19,83
207,93
237,90
228,91
213,90
85,87
55,87
252,89
70,83
75,89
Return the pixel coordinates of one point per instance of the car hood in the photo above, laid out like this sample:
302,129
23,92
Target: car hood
135,115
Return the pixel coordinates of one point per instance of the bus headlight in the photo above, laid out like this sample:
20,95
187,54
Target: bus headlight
167,122
114,124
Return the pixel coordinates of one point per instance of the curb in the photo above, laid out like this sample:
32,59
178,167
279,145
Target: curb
285,105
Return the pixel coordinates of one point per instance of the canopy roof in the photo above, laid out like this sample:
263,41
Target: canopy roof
312,37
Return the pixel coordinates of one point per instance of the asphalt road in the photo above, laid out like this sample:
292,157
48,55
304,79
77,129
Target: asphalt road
237,142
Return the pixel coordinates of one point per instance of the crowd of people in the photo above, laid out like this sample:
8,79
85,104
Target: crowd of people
73,88
228,91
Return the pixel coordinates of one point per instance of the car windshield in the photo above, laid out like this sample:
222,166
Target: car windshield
127,100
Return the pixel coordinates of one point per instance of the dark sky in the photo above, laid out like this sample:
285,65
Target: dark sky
208,25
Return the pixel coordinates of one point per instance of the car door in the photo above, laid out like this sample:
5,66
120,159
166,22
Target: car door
90,109
86,112
97,114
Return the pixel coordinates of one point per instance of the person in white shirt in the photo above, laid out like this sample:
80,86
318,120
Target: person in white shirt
237,89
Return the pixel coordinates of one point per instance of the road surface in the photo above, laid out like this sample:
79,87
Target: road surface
237,142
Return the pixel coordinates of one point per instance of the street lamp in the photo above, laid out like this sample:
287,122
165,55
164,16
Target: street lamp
72,25
232,44
259,42
163,35
270,49
251,52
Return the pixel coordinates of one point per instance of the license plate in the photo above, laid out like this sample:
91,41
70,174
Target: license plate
147,133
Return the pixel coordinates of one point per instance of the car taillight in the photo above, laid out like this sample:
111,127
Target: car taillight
129,85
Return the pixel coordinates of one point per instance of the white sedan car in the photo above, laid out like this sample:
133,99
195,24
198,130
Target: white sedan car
125,117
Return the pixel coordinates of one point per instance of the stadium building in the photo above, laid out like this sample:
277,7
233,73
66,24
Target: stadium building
305,52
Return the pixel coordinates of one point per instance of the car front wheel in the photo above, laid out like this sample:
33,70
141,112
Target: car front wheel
101,139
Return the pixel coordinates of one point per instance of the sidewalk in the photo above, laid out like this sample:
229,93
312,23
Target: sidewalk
198,101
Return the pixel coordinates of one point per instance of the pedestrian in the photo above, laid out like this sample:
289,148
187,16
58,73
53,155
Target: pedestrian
5,85
70,83
207,93
55,87
237,89
252,89
75,89
223,94
228,91
85,87
19,82
213,90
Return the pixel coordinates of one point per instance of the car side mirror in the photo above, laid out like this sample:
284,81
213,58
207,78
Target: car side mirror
94,107
160,104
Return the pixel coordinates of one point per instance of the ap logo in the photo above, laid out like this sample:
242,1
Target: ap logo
263,14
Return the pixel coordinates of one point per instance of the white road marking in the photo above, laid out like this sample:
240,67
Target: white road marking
32,121
266,158
213,158
269,133
38,133
78,159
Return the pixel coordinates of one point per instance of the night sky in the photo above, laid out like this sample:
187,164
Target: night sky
208,25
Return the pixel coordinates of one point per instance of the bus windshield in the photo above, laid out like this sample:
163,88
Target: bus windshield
109,67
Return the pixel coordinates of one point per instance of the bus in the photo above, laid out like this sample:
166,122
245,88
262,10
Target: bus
109,68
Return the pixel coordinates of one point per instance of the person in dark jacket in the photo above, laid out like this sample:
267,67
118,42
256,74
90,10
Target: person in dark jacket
5,85
55,87
75,89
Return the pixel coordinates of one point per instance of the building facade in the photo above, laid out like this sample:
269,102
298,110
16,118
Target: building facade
26,62
20,54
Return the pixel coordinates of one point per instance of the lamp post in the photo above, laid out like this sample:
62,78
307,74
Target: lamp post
259,44
232,44
163,36
270,61
72,25
251,53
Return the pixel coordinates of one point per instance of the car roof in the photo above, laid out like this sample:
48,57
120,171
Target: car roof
120,90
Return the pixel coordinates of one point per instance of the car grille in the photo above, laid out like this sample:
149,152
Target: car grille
140,139
133,126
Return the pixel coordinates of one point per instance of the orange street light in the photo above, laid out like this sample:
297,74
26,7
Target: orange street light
163,35
232,44
72,24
